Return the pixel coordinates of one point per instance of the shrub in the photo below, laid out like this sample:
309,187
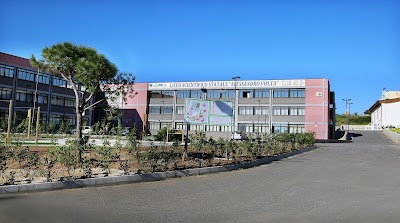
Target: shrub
396,130
65,155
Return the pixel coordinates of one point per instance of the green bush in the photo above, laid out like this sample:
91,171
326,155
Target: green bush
396,130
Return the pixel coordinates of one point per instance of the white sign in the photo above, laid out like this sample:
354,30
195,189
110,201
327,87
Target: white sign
208,112
252,84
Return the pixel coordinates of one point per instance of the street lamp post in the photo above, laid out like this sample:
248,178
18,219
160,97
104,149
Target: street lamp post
236,107
347,101
258,117
162,114
350,103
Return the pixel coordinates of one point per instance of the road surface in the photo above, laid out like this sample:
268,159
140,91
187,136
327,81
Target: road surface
342,182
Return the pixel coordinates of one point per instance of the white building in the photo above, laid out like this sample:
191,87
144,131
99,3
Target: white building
386,111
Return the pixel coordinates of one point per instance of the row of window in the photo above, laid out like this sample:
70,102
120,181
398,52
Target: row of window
6,93
243,110
56,119
253,127
26,75
21,115
180,125
29,75
253,93
244,127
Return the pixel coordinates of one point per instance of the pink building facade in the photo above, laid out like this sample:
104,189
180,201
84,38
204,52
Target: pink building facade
318,117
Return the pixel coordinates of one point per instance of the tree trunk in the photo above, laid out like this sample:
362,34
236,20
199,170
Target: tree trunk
79,132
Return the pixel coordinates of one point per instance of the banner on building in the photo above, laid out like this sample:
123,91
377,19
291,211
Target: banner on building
207,112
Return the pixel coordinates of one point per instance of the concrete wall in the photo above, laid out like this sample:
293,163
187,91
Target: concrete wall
395,137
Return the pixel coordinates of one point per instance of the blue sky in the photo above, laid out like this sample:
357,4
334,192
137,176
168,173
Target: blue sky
355,44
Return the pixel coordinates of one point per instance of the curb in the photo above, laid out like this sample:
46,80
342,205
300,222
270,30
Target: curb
395,137
148,177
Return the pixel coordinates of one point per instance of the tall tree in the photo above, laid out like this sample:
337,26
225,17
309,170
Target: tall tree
81,65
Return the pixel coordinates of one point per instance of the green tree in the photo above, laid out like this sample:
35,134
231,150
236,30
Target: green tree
88,73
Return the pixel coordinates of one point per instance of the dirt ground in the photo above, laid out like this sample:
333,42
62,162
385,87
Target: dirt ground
58,172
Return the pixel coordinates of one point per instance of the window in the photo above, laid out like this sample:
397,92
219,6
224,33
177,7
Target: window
179,110
225,128
42,99
220,94
71,120
180,125
301,111
161,94
155,94
297,93
245,127
59,82
55,100
166,110
264,128
5,93
246,93
214,93
296,111
183,94
55,119
281,111
24,96
264,93
197,127
280,128
154,109
213,128
6,71
44,79
228,94
167,94
69,102
43,117
196,94
293,128
281,93
261,110
26,75
246,110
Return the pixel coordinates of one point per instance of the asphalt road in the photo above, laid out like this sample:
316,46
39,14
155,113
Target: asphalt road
343,182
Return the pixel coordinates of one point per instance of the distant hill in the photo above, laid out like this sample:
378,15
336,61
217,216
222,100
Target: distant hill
353,120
